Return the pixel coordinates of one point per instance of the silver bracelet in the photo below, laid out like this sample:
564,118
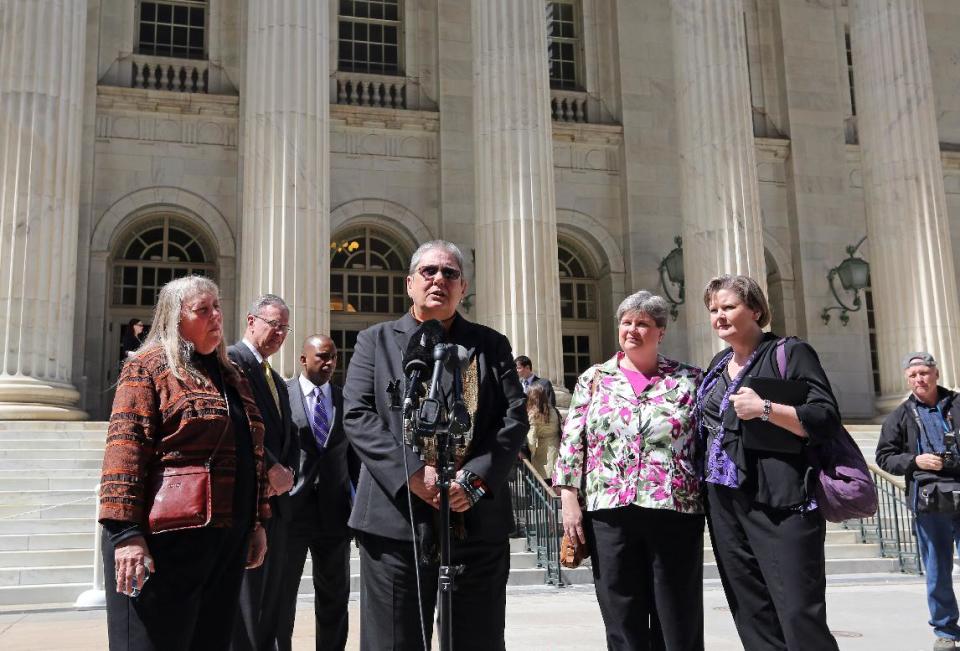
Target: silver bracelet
766,411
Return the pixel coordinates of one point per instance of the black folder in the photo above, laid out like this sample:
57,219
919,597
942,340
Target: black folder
764,436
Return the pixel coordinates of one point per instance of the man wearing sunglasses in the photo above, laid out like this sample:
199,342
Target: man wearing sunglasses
267,328
393,605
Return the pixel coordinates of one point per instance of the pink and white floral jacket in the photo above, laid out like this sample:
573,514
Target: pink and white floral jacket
640,449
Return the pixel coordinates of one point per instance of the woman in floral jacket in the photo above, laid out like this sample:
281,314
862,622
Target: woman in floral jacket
629,444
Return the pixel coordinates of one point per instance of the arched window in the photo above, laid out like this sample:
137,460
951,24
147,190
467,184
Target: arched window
157,250
368,270
578,311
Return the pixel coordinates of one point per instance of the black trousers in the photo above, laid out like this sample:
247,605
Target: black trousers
257,624
389,616
190,602
331,581
773,572
648,572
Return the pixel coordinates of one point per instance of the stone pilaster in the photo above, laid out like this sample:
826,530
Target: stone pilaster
285,237
911,263
722,231
516,271
42,45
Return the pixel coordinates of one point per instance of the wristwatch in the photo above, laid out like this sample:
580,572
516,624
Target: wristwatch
766,411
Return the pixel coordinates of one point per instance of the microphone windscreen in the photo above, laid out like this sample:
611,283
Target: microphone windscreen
420,348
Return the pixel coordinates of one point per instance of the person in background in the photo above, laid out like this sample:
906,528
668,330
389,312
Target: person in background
766,532
132,339
528,378
320,500
913,438
267,327
543,438
180,402
629,444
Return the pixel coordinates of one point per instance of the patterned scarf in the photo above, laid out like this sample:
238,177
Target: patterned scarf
720,467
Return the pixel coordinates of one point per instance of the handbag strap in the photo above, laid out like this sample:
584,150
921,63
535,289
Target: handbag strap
226,426
781,350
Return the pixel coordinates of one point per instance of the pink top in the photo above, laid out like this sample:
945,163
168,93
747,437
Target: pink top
638,380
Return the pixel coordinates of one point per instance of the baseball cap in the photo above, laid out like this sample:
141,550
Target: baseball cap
918,359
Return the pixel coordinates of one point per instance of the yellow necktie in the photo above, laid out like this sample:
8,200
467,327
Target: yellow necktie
270,383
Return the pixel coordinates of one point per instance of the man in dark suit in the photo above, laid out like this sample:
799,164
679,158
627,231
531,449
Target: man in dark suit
320,500
392,472
267,327
528,378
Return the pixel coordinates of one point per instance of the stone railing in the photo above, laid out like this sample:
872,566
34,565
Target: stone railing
379,91
568,106
167,73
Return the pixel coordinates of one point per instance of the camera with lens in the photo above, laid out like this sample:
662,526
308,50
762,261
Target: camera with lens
950,454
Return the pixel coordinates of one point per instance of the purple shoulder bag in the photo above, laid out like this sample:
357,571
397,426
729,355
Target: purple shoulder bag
843,488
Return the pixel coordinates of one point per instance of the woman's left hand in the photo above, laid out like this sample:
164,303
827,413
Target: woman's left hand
258,548
747,403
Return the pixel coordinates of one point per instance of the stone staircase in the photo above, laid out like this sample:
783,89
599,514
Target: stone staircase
48,471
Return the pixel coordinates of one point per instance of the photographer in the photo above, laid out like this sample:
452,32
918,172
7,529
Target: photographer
918,441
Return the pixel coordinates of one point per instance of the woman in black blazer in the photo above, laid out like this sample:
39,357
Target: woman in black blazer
766,532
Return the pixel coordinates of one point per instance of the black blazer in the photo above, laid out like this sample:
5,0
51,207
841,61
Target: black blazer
279,440
327,475
375,431
773,479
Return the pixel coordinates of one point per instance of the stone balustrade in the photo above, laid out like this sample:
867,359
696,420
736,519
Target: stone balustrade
568,106
380,91
163,73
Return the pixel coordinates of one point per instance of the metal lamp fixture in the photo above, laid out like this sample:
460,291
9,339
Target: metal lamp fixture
671,273
854,275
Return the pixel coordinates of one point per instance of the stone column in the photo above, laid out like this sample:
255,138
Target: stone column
516,264
285,237
722,230
42,45
911,261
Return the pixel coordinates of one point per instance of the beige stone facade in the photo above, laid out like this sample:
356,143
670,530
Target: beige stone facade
276,161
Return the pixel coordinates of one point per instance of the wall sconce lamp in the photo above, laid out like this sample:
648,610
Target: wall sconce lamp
854,275
671,273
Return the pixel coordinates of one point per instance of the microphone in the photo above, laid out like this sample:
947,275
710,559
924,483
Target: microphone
416,360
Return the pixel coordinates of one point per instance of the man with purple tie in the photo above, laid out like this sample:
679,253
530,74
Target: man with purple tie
321,500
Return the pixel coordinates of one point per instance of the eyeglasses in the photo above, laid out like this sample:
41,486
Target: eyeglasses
431,270
276,325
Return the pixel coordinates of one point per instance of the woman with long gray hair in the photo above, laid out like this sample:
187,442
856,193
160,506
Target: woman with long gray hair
182,486
627,454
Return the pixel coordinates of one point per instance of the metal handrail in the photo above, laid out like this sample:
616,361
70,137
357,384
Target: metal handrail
536,509
893,525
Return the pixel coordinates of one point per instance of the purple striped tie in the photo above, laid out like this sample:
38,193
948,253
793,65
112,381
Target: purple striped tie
321,421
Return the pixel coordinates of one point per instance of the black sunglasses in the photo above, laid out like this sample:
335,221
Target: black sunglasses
431,270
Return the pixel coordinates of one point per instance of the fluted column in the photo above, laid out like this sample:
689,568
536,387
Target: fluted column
911,260
722,230
42,50
516,264
285,239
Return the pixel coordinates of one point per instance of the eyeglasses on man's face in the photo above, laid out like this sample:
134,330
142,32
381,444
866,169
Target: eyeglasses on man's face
276,325
431,270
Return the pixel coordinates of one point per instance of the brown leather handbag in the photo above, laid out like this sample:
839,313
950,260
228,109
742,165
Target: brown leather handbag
572,552
182,497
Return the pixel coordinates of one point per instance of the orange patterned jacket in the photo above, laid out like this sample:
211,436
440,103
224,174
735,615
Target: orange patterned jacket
159,421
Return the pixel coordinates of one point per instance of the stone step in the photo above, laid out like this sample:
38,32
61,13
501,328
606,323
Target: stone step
7,463
54,593
84,509
51,444
55,435
29,455
38,541
59,482
45,558
53,426
45,497
46,473
47,575
53,526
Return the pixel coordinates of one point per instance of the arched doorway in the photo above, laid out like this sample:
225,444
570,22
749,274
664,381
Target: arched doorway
153,251
579,325
368,270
